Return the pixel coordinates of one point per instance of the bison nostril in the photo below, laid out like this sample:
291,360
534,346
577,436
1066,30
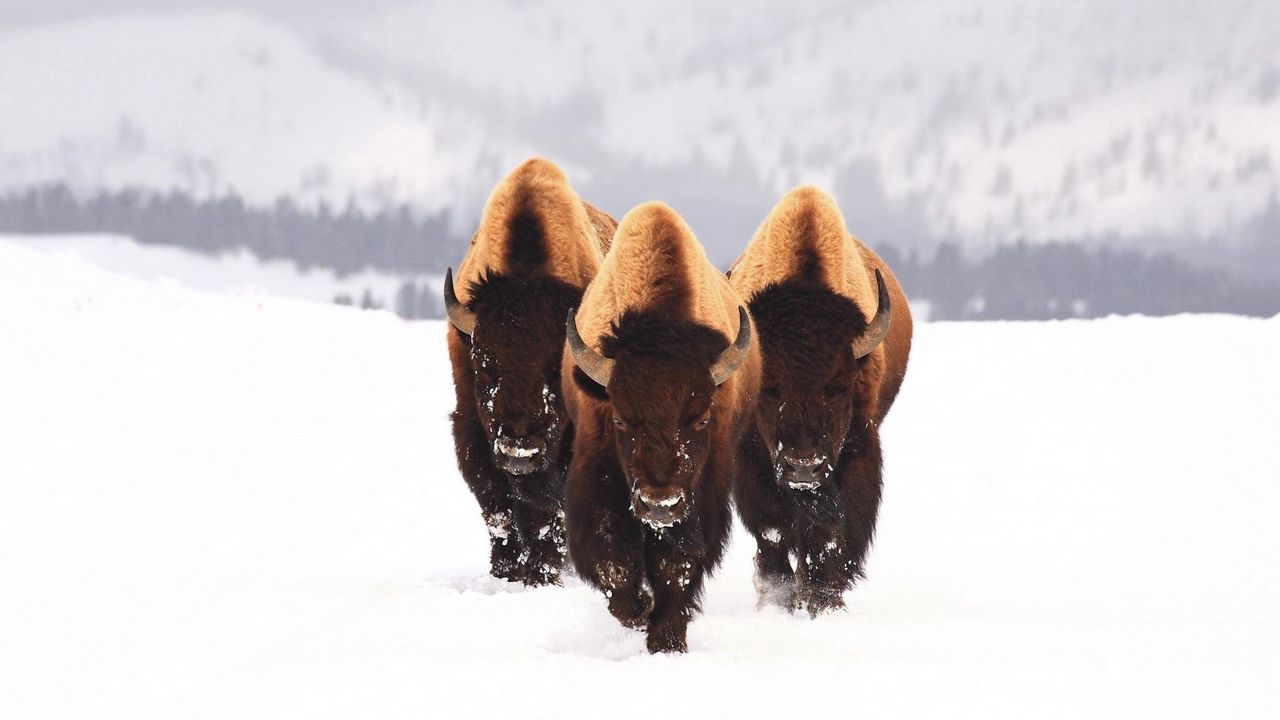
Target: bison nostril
805,462
659,510
519,447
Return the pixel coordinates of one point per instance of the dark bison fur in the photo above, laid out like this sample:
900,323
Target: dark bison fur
815,401
507,380
656,430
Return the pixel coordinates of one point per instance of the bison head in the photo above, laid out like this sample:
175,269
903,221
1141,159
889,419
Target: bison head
516,338
659,380
814,344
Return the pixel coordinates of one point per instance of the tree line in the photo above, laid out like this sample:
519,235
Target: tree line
345,241
1014,282
1065,280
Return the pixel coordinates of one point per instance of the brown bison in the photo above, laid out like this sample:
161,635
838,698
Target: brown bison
661,375
835,332
537,247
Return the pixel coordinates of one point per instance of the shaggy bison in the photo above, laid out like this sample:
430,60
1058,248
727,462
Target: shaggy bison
835,332
537,247
660,379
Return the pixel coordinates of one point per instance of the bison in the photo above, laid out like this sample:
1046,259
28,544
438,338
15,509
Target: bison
661,376
835,332
537,247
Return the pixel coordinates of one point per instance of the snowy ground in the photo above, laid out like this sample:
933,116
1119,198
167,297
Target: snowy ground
237,273
216,506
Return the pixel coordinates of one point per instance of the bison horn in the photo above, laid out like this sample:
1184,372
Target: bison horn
459,315
736,354
597,367
879,327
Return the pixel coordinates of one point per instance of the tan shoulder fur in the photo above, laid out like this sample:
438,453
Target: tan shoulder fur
604,225
657,263
536,194
806,227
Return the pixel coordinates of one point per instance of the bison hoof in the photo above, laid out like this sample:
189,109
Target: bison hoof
504,569
823,601
666,640
541,575
631,609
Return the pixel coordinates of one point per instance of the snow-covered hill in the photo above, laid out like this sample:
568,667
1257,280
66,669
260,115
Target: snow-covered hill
230,506
237,273
992,120
211,103
981,121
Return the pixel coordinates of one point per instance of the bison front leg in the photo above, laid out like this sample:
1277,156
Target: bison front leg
860,486
824,570
542,537
762,506
493,493
604,540
676,577
832,554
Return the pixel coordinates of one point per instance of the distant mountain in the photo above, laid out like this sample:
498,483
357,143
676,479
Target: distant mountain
1145,122
211,103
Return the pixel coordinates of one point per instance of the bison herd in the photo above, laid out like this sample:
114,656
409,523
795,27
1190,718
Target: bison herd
615,391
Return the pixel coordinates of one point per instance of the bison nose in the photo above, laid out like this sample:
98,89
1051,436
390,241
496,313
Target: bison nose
658,508
521,455
804,470
804,460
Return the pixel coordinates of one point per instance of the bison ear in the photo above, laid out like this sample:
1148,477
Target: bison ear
589,387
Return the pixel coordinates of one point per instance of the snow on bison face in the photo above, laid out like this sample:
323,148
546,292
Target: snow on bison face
814,344
659,380
516,334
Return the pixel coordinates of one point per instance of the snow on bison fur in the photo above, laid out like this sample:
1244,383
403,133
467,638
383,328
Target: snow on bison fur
537,247
835,332
661,376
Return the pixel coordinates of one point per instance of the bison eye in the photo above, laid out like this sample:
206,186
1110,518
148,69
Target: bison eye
702,424
618,423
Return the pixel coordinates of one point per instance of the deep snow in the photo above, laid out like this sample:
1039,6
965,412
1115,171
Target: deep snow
236,506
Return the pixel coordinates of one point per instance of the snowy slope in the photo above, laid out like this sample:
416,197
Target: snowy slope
239,273
224,506
211,102
977,121
993,120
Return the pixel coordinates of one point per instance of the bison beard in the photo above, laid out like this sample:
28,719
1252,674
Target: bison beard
519,333
805,333
652,576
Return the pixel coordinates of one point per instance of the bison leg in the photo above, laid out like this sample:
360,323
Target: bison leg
493,492
541,534
860,486
833,554
676,577
504,546
762,506
824,571
604,540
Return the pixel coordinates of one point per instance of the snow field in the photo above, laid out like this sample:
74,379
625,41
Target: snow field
237,506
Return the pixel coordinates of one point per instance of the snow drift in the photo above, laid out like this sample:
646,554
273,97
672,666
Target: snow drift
236,506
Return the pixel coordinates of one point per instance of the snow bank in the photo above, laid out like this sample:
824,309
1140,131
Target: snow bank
239,272
242,507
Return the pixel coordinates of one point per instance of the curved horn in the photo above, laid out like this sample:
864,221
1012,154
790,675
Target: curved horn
597,367
459,315
879,326
736,354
